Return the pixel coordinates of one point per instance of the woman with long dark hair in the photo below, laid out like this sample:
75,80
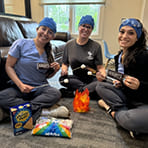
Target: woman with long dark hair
22,67
127,100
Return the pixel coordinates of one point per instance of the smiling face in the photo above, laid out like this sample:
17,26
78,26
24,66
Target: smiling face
44,34
85,31
127,37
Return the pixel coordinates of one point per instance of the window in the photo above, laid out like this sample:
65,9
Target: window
20,8
67,17
60,14
81,10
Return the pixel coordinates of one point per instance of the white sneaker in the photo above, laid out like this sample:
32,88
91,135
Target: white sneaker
59,112
133,135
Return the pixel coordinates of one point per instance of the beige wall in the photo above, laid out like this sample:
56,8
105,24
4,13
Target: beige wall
36,10
113,12
144,15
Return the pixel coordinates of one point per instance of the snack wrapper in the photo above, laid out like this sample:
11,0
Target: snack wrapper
21,118
53,127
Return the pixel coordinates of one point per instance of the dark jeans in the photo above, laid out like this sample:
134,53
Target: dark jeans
131,118
75,82
41,98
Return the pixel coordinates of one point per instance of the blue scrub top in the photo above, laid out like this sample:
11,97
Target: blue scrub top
28,57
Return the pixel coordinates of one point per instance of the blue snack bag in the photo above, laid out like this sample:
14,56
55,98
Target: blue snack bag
21,118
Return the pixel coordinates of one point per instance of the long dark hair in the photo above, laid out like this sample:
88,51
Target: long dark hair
48,50
136,49
50,58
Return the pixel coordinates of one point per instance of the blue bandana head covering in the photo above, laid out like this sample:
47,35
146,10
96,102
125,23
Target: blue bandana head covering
135,24
87,19
48,22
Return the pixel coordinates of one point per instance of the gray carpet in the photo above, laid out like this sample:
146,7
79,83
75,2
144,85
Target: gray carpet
94,129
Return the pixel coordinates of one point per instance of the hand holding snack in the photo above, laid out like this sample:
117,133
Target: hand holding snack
100,76
117,83
55,66
131,82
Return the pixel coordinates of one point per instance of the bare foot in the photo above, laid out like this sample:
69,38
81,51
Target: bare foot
102,104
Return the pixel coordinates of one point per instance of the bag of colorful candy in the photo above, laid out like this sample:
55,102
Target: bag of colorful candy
53,127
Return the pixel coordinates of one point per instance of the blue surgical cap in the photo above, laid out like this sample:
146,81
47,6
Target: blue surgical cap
48,22
135,24
87,19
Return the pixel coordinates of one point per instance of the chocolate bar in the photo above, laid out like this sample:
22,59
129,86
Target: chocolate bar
43,66
115,75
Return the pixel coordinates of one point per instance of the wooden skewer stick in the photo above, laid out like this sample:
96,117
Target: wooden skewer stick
106,78
82,67
92,72
91,69
41,86
65,81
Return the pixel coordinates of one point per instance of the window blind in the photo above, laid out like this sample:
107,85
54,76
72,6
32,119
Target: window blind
71,2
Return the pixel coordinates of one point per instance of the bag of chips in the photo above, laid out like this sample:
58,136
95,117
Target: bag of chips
21,118
53,127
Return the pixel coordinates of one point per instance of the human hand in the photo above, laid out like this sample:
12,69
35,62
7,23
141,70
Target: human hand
25,88
100,76
64,72
55,66
117,83
131,82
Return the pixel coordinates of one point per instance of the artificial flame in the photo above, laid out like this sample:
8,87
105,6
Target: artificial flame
81,101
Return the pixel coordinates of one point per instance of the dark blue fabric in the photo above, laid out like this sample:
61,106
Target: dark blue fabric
135,24
88,19
48,22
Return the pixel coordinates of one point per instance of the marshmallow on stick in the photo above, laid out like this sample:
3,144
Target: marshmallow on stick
81,67
90,73
65,81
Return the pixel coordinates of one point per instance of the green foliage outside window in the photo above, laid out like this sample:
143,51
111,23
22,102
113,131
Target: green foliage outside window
82,10
60,13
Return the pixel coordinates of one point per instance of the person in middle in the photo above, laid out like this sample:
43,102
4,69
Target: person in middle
81,53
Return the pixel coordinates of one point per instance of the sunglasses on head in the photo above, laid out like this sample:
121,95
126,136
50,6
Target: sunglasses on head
133,22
